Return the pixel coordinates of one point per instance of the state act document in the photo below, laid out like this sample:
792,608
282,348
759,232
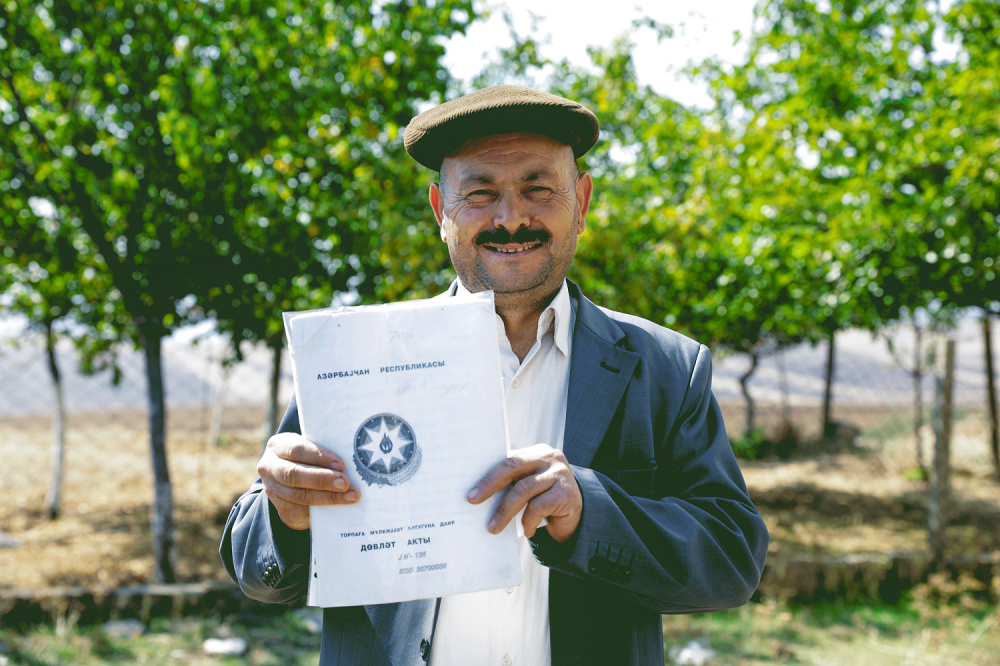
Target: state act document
410,396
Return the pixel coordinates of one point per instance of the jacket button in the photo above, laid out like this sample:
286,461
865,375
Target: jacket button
594,564
425,649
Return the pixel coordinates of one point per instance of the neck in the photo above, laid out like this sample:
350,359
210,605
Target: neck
520,320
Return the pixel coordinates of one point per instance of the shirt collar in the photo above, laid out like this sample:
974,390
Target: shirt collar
557,317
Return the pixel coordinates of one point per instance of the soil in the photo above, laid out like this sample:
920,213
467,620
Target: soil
846,496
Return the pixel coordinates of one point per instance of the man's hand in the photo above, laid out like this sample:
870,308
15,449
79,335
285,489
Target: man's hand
540,478
298,474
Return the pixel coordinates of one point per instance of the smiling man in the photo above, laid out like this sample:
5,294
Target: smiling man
621,477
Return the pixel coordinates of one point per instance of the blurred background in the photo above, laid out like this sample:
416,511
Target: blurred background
809,188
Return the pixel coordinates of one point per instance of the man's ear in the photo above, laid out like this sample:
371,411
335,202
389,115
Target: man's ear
436,197
584,190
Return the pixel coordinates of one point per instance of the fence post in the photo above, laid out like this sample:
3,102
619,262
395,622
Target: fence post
937,514
991,398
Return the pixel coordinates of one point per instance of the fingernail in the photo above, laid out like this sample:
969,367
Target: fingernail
492,526
340,484
352,496
336,466
473,494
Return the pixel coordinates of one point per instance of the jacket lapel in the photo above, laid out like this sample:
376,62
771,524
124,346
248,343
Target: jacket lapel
599,372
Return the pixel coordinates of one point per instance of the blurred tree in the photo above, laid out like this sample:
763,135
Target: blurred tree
52,284
966,110
223,158
700,222
683,225
916,371
850,87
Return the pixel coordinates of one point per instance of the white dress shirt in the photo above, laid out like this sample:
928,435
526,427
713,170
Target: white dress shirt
510,627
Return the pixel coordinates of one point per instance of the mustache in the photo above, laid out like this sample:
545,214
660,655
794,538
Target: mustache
501,236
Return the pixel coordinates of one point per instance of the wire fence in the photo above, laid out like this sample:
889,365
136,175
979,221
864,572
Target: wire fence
874,391
203,395
215,416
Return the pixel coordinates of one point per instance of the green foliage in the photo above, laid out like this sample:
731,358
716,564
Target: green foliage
246,153
682,228
230,159
749,447
896,137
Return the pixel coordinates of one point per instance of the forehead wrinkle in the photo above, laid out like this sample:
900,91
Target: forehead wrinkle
511,158
483,178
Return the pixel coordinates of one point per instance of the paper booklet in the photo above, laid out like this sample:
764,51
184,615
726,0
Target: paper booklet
410,396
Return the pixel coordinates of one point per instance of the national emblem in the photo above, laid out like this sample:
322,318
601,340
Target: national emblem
386,451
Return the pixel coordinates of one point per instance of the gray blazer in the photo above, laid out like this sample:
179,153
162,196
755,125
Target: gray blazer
667,524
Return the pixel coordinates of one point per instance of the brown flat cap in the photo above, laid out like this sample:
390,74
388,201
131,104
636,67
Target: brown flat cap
437,132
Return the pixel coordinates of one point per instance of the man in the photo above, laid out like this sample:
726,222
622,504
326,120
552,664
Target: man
621,475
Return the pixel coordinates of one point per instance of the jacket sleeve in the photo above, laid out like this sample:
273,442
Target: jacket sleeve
266,558
683,538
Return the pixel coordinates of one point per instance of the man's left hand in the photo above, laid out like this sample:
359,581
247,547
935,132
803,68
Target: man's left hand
539,478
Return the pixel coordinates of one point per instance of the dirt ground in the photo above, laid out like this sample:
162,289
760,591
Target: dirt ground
841,499
102,537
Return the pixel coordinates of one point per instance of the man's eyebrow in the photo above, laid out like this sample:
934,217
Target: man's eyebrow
537,174
477,179
486,179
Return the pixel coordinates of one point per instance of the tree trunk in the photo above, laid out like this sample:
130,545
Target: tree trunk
829,428
749,427
991,395
161,512
786,403
937,506
54,497
918,398
218,409
271,422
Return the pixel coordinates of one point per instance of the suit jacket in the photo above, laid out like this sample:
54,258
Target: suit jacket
667,525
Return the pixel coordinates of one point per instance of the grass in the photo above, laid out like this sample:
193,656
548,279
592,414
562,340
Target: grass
272,640
914,633
842,635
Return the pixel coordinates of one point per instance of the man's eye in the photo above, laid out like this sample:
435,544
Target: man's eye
480,195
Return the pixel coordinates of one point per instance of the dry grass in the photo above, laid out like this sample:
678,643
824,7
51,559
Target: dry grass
102,537
862,501
848,501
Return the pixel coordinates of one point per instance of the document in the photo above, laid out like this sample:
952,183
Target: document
410,396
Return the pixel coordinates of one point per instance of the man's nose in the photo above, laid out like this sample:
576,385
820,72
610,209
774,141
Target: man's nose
511,212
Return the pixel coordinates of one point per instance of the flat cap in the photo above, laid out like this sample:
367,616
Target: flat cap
437,132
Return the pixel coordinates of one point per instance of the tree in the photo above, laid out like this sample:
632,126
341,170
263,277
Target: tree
901,143
174,135
701,227
48,281
682,227
327,184
916,371
834,83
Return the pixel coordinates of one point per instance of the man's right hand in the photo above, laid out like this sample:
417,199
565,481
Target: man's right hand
298,474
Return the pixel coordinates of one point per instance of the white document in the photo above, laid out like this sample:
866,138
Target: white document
410,396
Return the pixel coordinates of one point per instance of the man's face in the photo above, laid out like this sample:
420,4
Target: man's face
510,210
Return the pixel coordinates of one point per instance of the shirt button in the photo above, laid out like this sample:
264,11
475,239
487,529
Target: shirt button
508,590
515,384
506,660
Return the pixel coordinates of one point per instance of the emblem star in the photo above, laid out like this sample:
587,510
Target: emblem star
374,444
